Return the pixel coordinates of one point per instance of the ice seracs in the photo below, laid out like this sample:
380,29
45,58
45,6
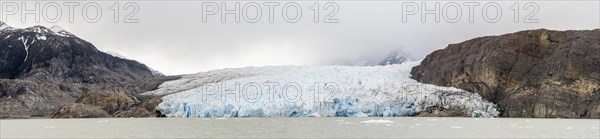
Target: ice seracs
324,91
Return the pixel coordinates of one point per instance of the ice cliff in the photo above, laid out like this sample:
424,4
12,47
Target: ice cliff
312,91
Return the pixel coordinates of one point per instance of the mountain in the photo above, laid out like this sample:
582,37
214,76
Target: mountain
43,69
38,53
314,91
533,73
398,56
4,26
115,54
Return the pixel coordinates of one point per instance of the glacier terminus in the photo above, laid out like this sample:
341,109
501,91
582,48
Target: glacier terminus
312,91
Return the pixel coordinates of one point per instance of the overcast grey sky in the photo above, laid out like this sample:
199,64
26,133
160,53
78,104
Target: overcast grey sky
171,37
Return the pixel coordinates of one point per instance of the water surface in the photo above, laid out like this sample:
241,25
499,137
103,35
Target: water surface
341,127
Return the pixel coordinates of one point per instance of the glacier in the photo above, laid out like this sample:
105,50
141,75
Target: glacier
312,91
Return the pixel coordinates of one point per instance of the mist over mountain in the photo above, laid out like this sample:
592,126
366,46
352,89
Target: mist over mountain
397,56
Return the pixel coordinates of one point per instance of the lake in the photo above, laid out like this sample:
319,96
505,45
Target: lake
340,127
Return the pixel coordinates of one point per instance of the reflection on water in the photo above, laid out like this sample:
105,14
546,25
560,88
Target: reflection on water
356,127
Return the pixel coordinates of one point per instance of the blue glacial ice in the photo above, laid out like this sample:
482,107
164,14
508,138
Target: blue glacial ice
312,91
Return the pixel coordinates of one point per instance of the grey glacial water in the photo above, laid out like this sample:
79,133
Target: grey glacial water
341,127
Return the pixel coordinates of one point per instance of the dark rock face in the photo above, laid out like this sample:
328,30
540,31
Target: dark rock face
78,110
144,109
39,54
442,112
42,70
536,73
110,102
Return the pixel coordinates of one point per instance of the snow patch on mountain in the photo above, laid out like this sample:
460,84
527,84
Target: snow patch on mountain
57,28
25,41
61,31
40,30
117,55
41,38
4,26
308,91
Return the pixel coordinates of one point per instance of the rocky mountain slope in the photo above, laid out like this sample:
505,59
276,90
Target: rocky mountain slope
42,69
534,73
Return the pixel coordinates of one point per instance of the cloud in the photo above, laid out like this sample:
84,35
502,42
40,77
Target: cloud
172,38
